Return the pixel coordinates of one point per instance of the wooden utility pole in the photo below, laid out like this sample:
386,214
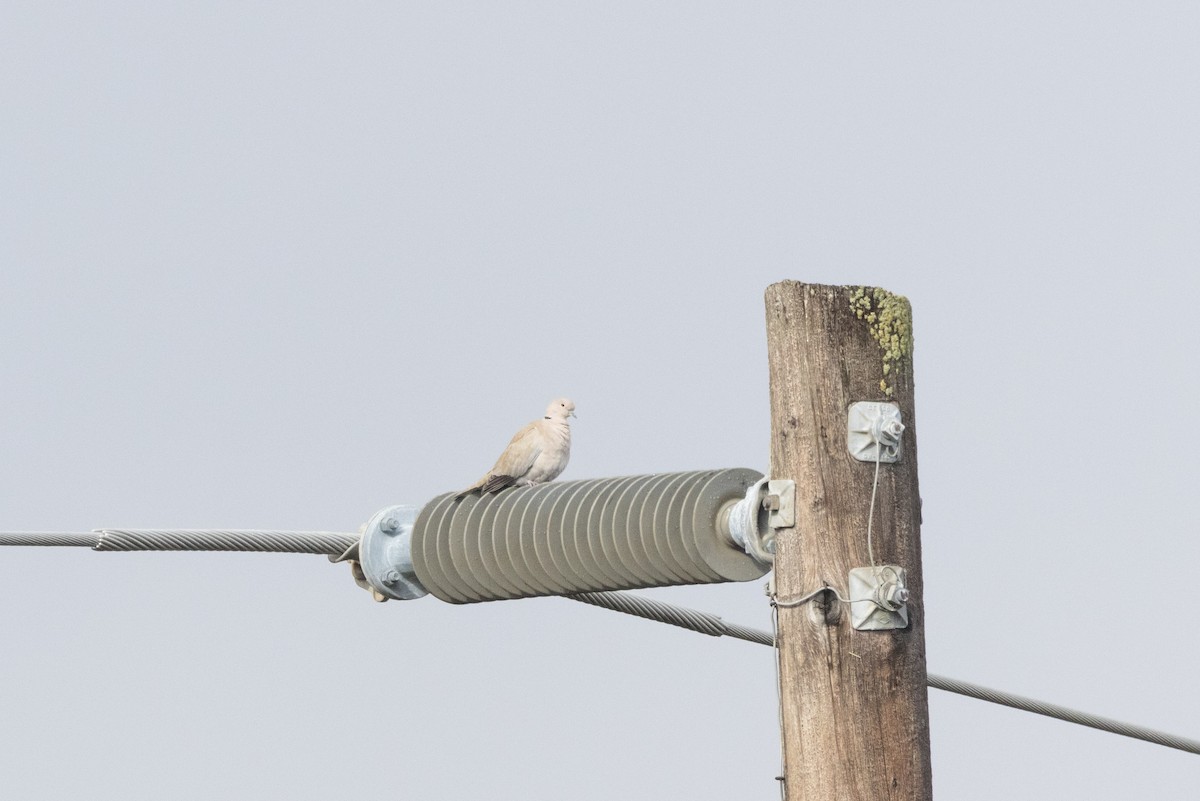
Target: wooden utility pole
855,708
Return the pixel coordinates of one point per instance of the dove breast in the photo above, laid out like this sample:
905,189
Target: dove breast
554,454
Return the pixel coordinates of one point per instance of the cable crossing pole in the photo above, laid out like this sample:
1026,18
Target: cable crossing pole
714,626
854,703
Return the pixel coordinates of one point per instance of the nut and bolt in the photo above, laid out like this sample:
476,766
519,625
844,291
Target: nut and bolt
391,577
390,525
893,595
888,432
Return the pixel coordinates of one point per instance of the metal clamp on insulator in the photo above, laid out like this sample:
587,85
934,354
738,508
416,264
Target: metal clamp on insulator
385,554
769,504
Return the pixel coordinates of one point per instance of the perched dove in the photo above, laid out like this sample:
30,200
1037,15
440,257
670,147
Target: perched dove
537,453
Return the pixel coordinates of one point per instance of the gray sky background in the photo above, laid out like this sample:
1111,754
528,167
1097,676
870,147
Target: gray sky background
281,265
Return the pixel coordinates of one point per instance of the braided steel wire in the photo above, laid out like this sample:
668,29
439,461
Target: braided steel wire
317,542
650,609
662,612
749,635
711,624
49,538
112,539
1063,713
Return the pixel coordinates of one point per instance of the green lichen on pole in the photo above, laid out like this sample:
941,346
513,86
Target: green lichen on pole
890,320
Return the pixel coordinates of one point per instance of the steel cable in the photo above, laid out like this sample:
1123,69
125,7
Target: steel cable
335,543
318,542
1063,713
713,625
111,539
49,538
650,609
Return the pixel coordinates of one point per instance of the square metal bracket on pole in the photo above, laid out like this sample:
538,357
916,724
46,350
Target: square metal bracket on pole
874,432
780,503
878,598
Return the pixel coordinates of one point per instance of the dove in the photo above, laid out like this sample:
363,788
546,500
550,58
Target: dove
537,453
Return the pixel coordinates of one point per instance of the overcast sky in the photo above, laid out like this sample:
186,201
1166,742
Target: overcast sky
281,265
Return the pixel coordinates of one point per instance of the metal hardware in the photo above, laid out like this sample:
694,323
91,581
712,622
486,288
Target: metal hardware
385,554
781,509
874,431
755,536
878,598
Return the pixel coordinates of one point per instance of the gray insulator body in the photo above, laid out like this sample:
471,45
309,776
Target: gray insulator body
582,536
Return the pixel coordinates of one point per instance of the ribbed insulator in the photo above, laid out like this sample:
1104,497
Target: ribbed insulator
583,536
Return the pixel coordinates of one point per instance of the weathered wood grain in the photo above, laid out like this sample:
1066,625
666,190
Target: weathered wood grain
855,709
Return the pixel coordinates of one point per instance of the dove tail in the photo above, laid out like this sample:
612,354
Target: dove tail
497,483
466,492
487,485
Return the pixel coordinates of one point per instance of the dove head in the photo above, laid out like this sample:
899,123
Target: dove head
560,409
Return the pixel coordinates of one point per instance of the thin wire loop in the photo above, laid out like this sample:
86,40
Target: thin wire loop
871,512
803,599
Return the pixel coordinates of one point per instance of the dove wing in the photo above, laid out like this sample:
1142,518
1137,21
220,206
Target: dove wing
515,462
520,454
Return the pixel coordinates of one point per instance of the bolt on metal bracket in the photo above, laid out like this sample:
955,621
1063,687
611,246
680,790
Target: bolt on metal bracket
874,430
780,503
878,598
385,554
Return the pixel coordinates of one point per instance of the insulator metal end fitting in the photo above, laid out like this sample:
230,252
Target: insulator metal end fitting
385,554
751,522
